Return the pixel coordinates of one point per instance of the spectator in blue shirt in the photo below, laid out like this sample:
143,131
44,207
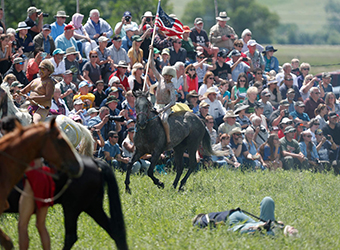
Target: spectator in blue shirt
127,39
24,39
298,115
57,28
271,61
96,26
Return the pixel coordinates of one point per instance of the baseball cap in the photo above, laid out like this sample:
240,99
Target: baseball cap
18,60
235,53
58,51
83,84
103,39
299,104
326,75
31,10
251,42
318,131
92,111
46,27
265,92
130,27
111,98
259,105
290,91
78,101
127,13
67,72
332,115
69,27
198,20
289,129
284,103
203,104
117,38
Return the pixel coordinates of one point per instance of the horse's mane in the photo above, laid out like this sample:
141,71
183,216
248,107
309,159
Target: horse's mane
140,93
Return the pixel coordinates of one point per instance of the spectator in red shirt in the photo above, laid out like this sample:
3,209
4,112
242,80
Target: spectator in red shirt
313,101
33,64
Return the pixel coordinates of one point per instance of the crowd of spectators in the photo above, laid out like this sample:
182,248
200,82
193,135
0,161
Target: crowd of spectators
260,114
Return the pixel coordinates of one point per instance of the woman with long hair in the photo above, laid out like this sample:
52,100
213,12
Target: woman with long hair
271,152
5,53
252,148
275,94
239,91
307,84
308,149
136,78
135,53
314,124
91,70
331,103
192,79
320,113
208,81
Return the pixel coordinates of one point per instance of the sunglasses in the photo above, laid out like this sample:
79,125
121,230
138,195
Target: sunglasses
211,122
238,134
242,80
248,35
317,93
205,107
316,124
21,63
225,138
115,136
178,42
191,69
290,79
239,45
259,73
141,68
307,136
211,78
94,56
201,57
305,69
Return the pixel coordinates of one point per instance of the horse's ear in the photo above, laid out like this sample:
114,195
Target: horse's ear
18,125
135,94
53,123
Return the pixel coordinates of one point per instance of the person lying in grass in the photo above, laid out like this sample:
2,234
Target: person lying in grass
239,221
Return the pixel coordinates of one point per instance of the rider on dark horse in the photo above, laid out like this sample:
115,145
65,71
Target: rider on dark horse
165,95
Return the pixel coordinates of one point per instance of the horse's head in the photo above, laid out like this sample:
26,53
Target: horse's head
58,150
143,107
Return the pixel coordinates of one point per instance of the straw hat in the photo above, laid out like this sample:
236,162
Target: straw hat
223,16
229,114
209,91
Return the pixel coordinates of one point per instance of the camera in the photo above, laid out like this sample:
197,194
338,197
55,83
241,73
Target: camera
43,55
45,14
148,19
116,118
244,59
328,137
286,112
127,18
228,36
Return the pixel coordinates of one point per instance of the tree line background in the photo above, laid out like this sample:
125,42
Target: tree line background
264,24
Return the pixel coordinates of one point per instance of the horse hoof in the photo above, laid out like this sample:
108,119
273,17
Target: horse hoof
128,190
160,185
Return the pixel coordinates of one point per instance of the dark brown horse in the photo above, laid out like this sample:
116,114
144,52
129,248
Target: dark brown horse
23,145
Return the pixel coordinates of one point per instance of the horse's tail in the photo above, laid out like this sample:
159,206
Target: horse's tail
117,225
206,144
87,142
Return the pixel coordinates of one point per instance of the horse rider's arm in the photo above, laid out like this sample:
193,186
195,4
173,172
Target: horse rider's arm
27,89
153,67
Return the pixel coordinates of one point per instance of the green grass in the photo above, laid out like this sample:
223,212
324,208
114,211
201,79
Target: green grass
161,219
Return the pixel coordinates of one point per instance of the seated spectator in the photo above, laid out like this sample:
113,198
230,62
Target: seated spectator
32,15
129,105
241,118
96,26
24,39
120,73
84,95
326,83
279,114
258,77
285,122
111,151
180,81
58,63
304,69
113,91
177,53
300,127
216,109
81,35
5,53
91,70
136,78
313,126
295,66
271,153
320,112
333,127
271,62
250,100
44,40
135,53
78,110
239,91
240,149
188,45
203,110
222,71
293,158
192,101
238,65
222,35
66,40
261,133
259,107
17,70
127,39
288,84
33,64
224,93
290,100
252,148
192,79
57,28
245,37
126,21
286,71
228,159
208,82
313,101
104,59
99,93
209,124
273,89
299,116
229,123
307,84
308,149
254,55
68,89
117,52
332,104
72,63
103,123
140,166
58,106
324,146
268,107
8,80
164,59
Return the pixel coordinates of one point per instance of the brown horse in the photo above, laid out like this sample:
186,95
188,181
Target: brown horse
23,145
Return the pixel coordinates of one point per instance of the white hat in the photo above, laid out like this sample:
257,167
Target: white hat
229,114
92,111
223,16
113,80
22,26
103,39
251,42
130,27
78,101
210,91
169,70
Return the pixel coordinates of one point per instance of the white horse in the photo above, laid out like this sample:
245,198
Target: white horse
77,133
22,114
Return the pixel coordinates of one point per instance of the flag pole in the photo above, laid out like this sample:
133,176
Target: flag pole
150,52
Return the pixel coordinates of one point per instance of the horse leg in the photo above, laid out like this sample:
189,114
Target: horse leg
134,158
179,151
154,159
70,217
192,165
6,241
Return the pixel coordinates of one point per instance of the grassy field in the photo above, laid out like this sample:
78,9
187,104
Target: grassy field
309,15
161,219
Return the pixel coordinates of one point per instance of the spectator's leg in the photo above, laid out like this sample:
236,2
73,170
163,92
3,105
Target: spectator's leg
267,209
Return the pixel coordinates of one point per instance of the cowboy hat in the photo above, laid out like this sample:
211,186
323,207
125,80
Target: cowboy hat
22,26
235,130
61,13
229,114
192,93
210,90
239,107
222,16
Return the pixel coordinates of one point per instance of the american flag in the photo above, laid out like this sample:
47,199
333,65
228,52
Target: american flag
170,26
